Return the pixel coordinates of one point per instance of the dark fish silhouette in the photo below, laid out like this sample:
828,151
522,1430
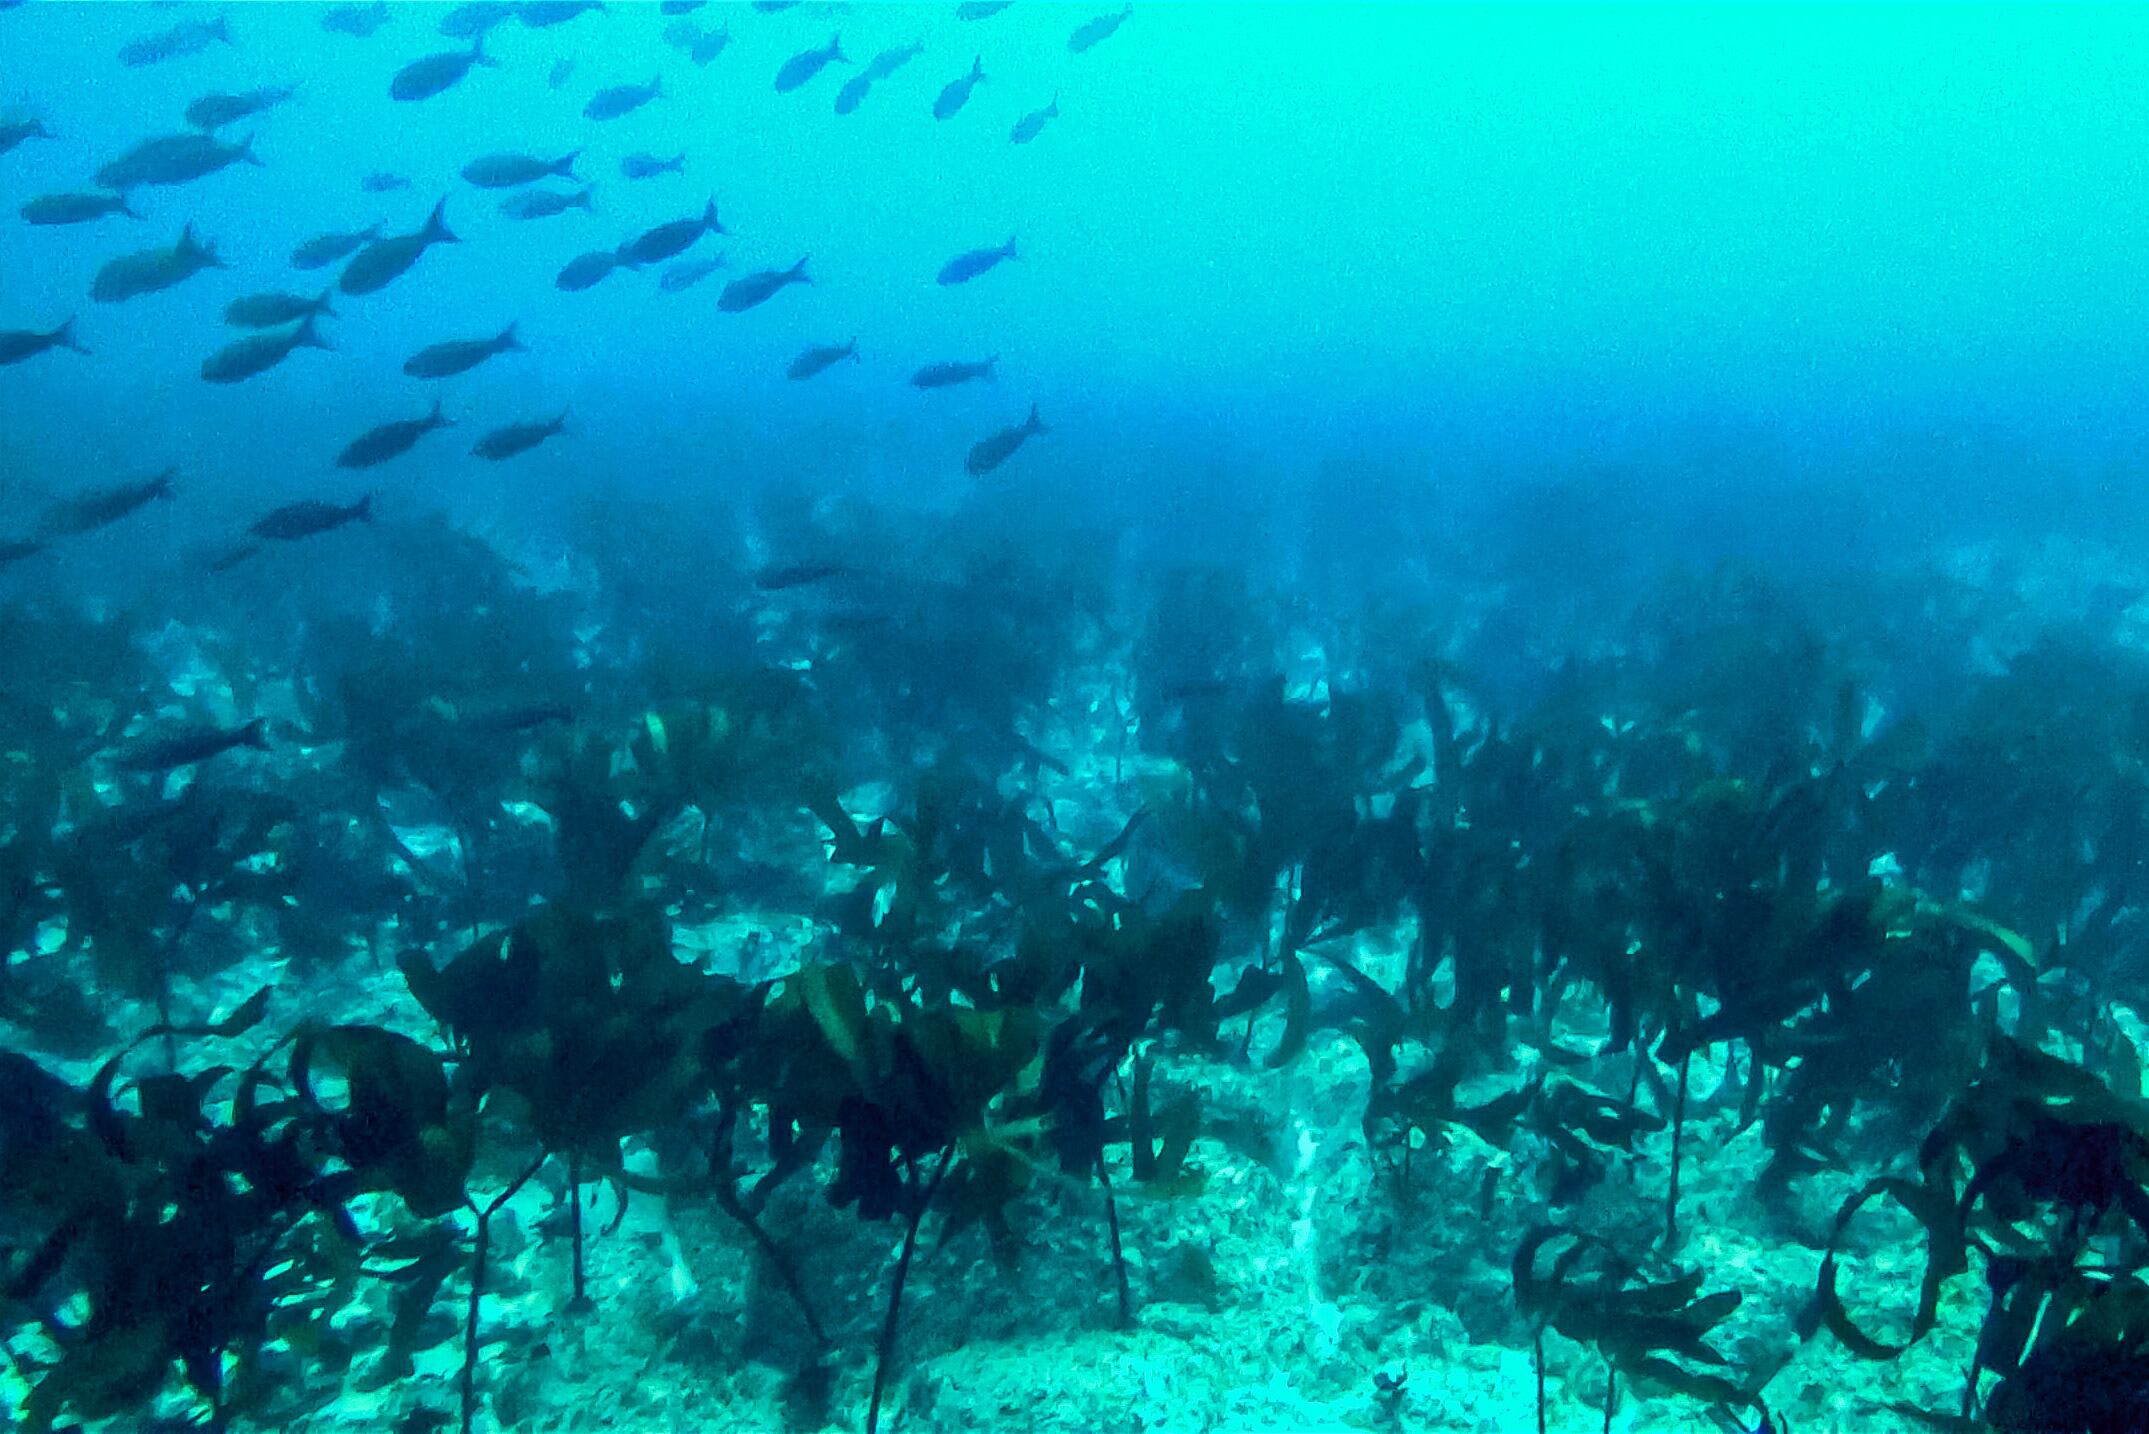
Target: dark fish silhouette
798,575
709,45
325,249
258,353
14,132
1097,30
212,112
49,209
309,518
382,182
19,344
102,507
964,267
687,273
174,159
617,101
267,311
517,438
947,375
360,21
1032,124
648,166
150,270
423,79
990,453
505,171
957,92
14,550
679,7
231,557
188,39
445,360
585,271
804,65
544,14
469,22
563,70
817,360
853,93
544,203
879,68
668,241
758,288
980,9
390,440
382,261
199,745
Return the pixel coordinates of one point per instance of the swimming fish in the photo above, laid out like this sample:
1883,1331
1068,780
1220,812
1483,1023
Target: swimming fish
679,7
445,360
174,159
957,92
150,270
14,132
102,507
212,112
517,438
585,271
382,182
544,203
894,58
506,171
14,550
258,353
563,70
964,267
267,311
758,288
309,518
1095,31
818,360
382,261
391,440
616,101
668,241
687,273
359,21
544,14
423,79
469,22
48,209
804,65
947,375
198,745
190,38
1030,125
19,344
325,249
980,9
709,45
989,453
853,93
648,166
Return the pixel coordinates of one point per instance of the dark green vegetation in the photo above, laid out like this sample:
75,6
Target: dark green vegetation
1071,847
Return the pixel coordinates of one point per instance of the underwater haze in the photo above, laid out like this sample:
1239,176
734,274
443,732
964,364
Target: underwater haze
1074,717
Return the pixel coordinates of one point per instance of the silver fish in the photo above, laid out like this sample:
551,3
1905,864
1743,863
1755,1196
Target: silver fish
258,353
964,267
957,93
445,360
989,453
150,270
50,209
382,261
758,288
804,65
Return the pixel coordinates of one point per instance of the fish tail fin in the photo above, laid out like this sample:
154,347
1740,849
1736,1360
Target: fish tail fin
855,356
798,270
437,418
1034,423
362,510
222,30
509,341
709,221
656,87
255,733
436,226
64,336
127,209
478,55
321,305
161,485
559,425
677,164
977,68
582,201
565,169
991,366
246,152
1008,251
835,50
1054,107
309,337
